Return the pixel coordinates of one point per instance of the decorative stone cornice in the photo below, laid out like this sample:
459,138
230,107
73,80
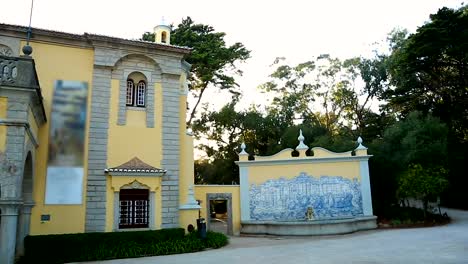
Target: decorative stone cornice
135,167
25,124
303,160
88,39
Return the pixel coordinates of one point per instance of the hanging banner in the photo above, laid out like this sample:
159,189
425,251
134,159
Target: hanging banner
65,172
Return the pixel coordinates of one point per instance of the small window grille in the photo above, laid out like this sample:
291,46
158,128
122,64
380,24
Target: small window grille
134,208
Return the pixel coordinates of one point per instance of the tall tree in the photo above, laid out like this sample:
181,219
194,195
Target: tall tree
213,61
324,91
429,73
429,70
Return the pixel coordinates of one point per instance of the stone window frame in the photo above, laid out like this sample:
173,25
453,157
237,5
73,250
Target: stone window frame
133,91
152,206
220,196
150,92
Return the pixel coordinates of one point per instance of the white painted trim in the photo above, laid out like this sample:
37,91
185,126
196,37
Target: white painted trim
136,174
216,185
116,210
152,211
244,193
147,74
340,154
365,188
274,155
303,160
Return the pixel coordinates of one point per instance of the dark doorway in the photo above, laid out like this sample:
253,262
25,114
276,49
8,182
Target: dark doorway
219,208
134,208
219,216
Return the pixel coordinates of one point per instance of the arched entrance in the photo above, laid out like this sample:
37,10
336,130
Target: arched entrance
24,214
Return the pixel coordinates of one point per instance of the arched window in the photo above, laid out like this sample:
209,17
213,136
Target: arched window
130,92
163,37
140,94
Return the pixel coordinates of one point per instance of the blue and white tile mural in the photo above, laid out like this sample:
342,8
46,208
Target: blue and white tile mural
283,199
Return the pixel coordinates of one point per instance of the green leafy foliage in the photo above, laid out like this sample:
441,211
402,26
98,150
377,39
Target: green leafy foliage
215,240
422,183
429,73
409,216
415,140
213,61
102,246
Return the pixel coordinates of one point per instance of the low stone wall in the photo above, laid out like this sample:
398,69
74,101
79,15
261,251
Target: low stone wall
309,228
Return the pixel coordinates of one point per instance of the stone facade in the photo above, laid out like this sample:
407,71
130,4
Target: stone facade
21,88
171,151
97,150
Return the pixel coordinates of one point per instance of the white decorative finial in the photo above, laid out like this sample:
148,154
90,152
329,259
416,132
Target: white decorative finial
359,141
191,202
301,141
163,21
243,152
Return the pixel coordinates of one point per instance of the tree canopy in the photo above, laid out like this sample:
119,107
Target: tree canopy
213,61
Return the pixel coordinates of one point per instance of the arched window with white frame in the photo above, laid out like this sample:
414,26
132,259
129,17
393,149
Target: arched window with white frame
130,92
140,94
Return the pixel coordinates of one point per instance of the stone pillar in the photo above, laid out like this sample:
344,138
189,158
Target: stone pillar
23,228
171,151
365,188
244,192
97,151
8,231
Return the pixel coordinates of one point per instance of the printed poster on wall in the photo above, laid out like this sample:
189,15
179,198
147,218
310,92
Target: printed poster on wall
64,183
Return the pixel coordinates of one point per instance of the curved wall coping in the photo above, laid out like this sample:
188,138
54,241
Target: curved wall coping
299,160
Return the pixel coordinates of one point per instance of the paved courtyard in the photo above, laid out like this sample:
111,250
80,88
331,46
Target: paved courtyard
444,244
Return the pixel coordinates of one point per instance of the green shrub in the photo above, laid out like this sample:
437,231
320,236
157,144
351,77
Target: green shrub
101,246
411,216
215,240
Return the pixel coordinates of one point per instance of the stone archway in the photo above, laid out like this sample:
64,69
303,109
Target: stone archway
24,214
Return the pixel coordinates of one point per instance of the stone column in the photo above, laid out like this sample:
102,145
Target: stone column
8,231
171,151
23,228
365,188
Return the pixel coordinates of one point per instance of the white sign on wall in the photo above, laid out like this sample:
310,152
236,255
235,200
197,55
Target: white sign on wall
64,185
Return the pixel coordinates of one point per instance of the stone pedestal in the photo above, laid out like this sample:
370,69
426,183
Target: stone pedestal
9,220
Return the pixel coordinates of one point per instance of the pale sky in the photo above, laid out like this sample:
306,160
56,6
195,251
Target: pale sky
295,29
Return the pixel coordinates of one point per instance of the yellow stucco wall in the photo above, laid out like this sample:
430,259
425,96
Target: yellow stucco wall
134,139
202,190
58,62
3,129
259,174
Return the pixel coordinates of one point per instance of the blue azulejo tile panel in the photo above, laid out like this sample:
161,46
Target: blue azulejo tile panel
287,200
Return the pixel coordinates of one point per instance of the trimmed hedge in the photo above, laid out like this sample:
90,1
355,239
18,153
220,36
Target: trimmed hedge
102,246
215,240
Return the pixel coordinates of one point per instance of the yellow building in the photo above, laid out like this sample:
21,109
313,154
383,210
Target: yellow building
92,135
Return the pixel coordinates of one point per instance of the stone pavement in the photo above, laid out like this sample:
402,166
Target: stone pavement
444,244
